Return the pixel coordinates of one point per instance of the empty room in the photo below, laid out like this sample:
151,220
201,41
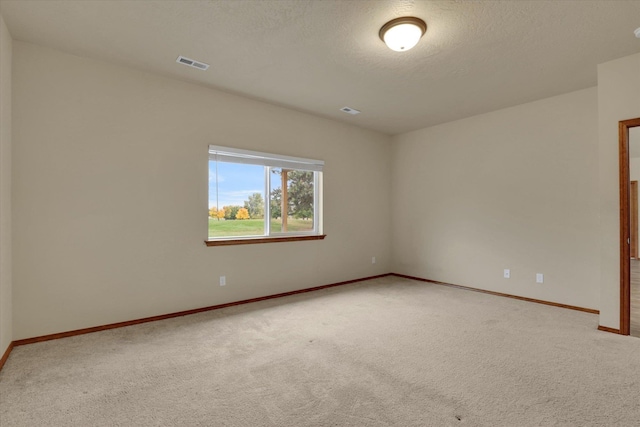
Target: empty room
319,213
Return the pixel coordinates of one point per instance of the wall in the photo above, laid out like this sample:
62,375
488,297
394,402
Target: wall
515,188
6,313
618,99
634,175
110,195
634,164
634,169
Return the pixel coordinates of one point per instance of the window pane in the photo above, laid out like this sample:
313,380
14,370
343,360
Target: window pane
296,202
236,199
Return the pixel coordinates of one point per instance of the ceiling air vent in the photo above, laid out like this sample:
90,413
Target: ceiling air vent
192,63
349,110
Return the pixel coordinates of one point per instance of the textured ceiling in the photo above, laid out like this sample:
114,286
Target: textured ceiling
320,55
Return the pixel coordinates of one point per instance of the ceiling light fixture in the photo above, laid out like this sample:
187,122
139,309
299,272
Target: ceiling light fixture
401,34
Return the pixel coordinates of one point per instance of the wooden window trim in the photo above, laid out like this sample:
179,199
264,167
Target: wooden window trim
256,240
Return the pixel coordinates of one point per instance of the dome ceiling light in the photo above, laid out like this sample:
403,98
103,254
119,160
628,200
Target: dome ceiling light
401,34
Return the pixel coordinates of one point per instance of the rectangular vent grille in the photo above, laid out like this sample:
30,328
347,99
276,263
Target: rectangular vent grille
192,63
349,110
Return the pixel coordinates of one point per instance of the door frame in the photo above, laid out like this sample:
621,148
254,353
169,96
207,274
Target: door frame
625,228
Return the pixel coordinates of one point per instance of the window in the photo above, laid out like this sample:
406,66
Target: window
258,197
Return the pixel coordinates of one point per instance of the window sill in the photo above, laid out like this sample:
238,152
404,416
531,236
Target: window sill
256,240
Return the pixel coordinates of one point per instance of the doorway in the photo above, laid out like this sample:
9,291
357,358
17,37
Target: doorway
629,150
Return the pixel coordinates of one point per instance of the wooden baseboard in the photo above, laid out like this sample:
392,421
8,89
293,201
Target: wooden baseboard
284,294
500,294
607,329
180,313
5,356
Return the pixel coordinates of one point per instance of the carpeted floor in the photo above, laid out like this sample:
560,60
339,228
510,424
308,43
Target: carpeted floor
385,352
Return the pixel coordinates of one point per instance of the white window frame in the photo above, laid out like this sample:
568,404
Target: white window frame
270,161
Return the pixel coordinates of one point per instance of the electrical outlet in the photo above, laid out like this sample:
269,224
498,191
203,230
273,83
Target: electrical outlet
507,273
539,278
373,260
223,280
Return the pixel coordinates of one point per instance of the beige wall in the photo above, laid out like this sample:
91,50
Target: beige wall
110,195
110,185
515,188
6,334
634,174
618,99
634,169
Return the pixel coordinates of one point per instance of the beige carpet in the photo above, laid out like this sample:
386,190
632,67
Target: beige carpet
386,352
